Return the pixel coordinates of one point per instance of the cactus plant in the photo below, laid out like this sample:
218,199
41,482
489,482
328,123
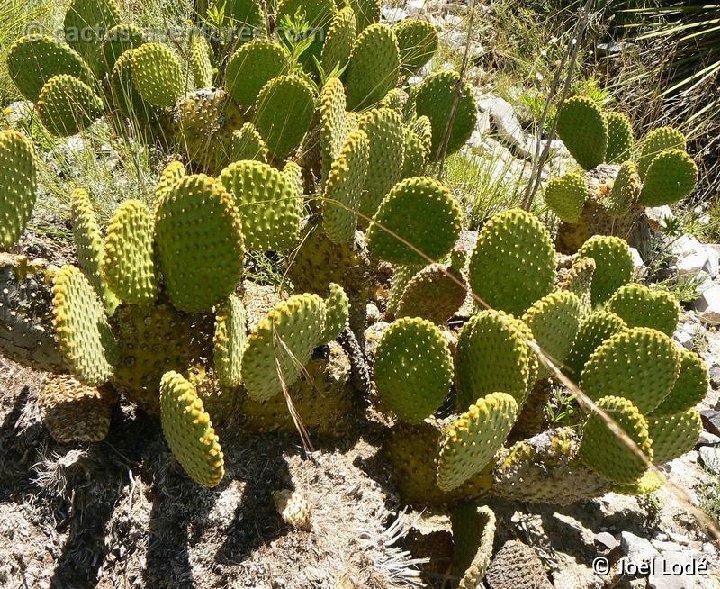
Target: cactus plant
657,141
339,41
671,176
157,74
640,306
584,130
613,265
86,24
229,341
68,105
565,195
417,41
18,186
252,66
621,140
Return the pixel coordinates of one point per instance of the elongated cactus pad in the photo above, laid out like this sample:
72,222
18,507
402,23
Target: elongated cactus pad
492,356
367,11
613,265
671,176
435,293
593,331
373,68
173,172
415,155
691,385
119,39
333,123
189,432
200,243
269,206
74,412
81,328
417,41
673,434
584,130
129,254
246,144
473,536
283,113
229,341
439,96
67,105
34,59
639,364
640,306
86,24
655,143
337,313
157,74
625,191
252,66
339,40
281,345
18,186
565,195
472,440
124,93
513,264
620,138
413,369
603,451
202,67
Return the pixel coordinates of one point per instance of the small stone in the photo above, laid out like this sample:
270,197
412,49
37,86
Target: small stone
710,458
658,216
679,538
666,546
607,540
708,548
714,376
639,269
691,255
708,439
637,549
711,421
708,305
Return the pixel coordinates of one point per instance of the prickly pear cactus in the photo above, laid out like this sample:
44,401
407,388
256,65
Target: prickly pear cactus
18,186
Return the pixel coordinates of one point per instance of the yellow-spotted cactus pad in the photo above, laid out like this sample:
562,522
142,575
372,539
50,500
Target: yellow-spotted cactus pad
472,440
200,61
513,264
673,434
593,331
639,364
18,186
640,306
157,74
81,328
86,24
269,207
492,355
415,155
419,221
621,140
413,369
339,40
344,186
672,175
608,454
124,93
74,412
246,144
656,142
473,536
625,191
333,126
435,293
252,66
337,312
690,387
172,173
281,345
68,105
229,341
189,432
200,243
129,254
613,265
119,39
584,130
565,195
417,41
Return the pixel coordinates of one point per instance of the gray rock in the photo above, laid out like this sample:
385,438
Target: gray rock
714,376
637,549
679,538
393,14
639,269
656,216
711,421
708,439
708,305
607,540
373,313
710,458
661,577
713,265
691,256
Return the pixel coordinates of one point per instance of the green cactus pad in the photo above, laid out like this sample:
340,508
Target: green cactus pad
229,341
282,344
413,369
343,188
606,453
625,191
339,40
584,130
492,355
418,220
672,175
472,440
648,483
293,175
401,277
621,140
578,281
74,412
220,402
252,66
337,314
414,156
18,186
473,535
397,99
513,264
554,321
373,68
333,124
68,105
119,39
384,130
435,293
640,306
367,12
86,24
189,432
202,67
422,127
125,97
200,243
593,331
417,41
173,172
246,144
128,265
655,143
284,112
157,74
34,59
613,265
81,328
691,385
242,15
565,195
639,364
269,207
673,434
437,97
